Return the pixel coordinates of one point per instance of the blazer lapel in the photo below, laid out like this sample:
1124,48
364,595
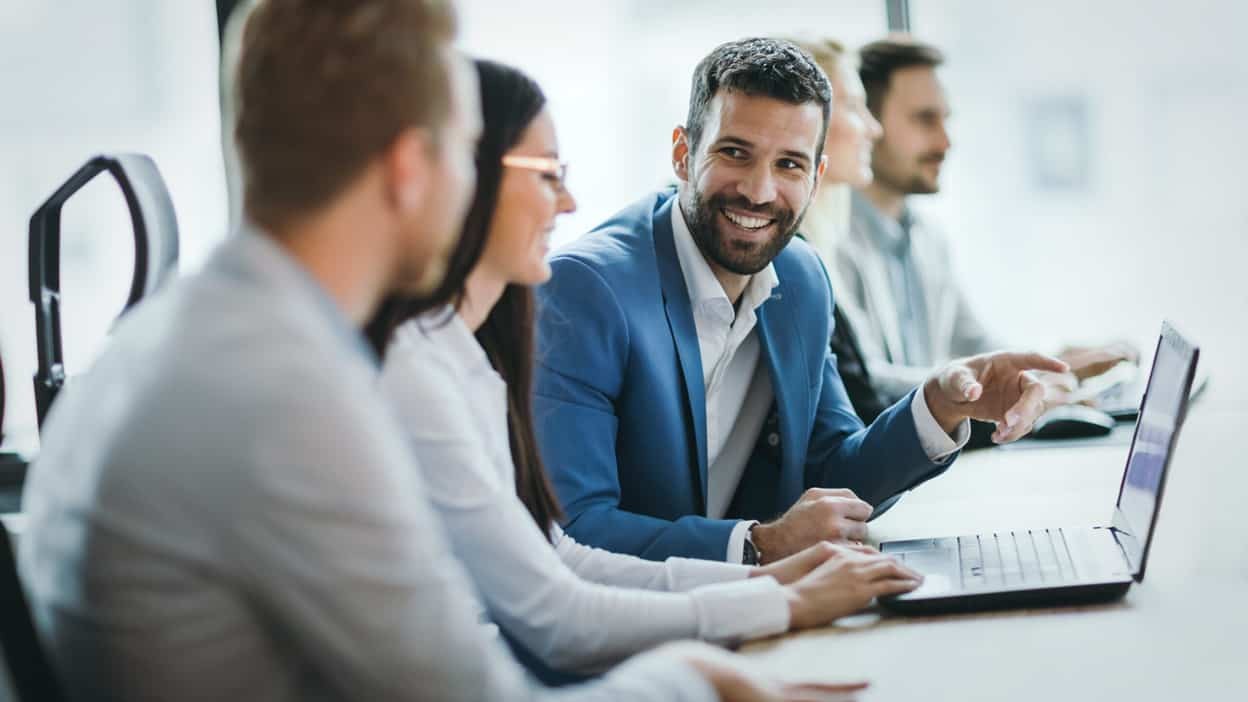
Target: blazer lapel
780,343
684,333
880,303
942,310
877,303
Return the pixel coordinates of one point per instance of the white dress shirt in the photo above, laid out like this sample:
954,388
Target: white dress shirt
573,606
738,387
224,510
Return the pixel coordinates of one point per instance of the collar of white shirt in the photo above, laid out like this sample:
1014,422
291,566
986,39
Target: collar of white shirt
445,328
706,295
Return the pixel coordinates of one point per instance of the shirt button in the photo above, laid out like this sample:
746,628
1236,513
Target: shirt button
773,439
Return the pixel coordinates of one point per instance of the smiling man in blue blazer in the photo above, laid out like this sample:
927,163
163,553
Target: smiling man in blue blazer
686,401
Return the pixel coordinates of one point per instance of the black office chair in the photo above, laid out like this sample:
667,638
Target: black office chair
155,255
30,671
12,465
1,399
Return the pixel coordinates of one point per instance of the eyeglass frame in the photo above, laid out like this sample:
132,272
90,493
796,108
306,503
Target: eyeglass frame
545,165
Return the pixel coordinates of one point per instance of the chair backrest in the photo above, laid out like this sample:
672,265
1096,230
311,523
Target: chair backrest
30,671
1,399
155,254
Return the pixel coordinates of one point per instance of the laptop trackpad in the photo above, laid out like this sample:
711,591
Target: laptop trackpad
939,567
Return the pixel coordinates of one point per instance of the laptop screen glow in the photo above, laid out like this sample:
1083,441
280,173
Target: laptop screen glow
1158,422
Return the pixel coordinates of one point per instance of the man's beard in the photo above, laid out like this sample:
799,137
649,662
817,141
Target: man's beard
742,259
907,180
422,272
424,279
917,183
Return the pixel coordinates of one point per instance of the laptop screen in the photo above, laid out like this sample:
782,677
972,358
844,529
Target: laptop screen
1160,416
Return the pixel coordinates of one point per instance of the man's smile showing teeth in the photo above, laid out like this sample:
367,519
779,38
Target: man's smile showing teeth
746,221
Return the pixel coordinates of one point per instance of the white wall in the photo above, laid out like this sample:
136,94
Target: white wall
1158,229
81,77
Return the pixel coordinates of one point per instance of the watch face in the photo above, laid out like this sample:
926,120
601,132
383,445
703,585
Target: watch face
749,554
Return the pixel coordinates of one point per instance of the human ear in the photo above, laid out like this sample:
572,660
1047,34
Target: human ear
409,166
680,153
819,171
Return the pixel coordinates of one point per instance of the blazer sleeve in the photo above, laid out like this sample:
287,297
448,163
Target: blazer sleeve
583,350
875,461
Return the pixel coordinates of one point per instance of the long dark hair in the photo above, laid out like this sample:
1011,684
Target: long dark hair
510,101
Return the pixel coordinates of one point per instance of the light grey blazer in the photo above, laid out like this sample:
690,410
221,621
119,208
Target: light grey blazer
860,278
225,510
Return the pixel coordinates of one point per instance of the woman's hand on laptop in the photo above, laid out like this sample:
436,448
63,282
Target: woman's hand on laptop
846,579
793,568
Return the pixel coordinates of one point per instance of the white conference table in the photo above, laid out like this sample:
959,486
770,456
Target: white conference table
1179,635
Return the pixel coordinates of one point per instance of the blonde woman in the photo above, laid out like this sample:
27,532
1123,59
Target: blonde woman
852,133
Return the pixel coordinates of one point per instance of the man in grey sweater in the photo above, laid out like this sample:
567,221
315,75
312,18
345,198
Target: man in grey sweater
223,509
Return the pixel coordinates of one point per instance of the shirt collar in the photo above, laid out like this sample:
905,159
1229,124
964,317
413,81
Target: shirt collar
888,234
274,262
704,288
446,329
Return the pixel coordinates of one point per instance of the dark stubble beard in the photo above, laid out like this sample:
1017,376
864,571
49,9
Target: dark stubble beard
742,259
919,184
906,181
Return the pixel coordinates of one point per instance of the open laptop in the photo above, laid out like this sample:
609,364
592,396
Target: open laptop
1119,392
1036,567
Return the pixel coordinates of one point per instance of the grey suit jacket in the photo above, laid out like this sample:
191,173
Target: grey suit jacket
859,272
223,510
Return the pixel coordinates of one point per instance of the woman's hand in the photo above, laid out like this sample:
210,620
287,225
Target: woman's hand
792,568
735,680
844,583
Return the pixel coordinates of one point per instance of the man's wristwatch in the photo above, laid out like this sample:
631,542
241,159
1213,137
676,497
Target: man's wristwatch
750,555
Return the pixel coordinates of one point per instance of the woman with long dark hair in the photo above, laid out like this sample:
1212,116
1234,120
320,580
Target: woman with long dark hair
458,368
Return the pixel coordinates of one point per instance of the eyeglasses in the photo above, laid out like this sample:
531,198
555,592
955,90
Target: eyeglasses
551,169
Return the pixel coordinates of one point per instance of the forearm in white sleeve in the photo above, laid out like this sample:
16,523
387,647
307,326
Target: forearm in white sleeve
347,554
572,623
625,570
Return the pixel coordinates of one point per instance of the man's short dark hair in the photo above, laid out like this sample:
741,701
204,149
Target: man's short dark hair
763,67
878,61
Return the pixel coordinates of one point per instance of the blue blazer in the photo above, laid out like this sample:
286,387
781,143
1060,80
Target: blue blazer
620,408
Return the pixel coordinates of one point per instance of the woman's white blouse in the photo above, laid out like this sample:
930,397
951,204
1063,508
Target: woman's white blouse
574,606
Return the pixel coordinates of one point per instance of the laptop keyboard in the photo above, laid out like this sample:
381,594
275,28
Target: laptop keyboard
1009,559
